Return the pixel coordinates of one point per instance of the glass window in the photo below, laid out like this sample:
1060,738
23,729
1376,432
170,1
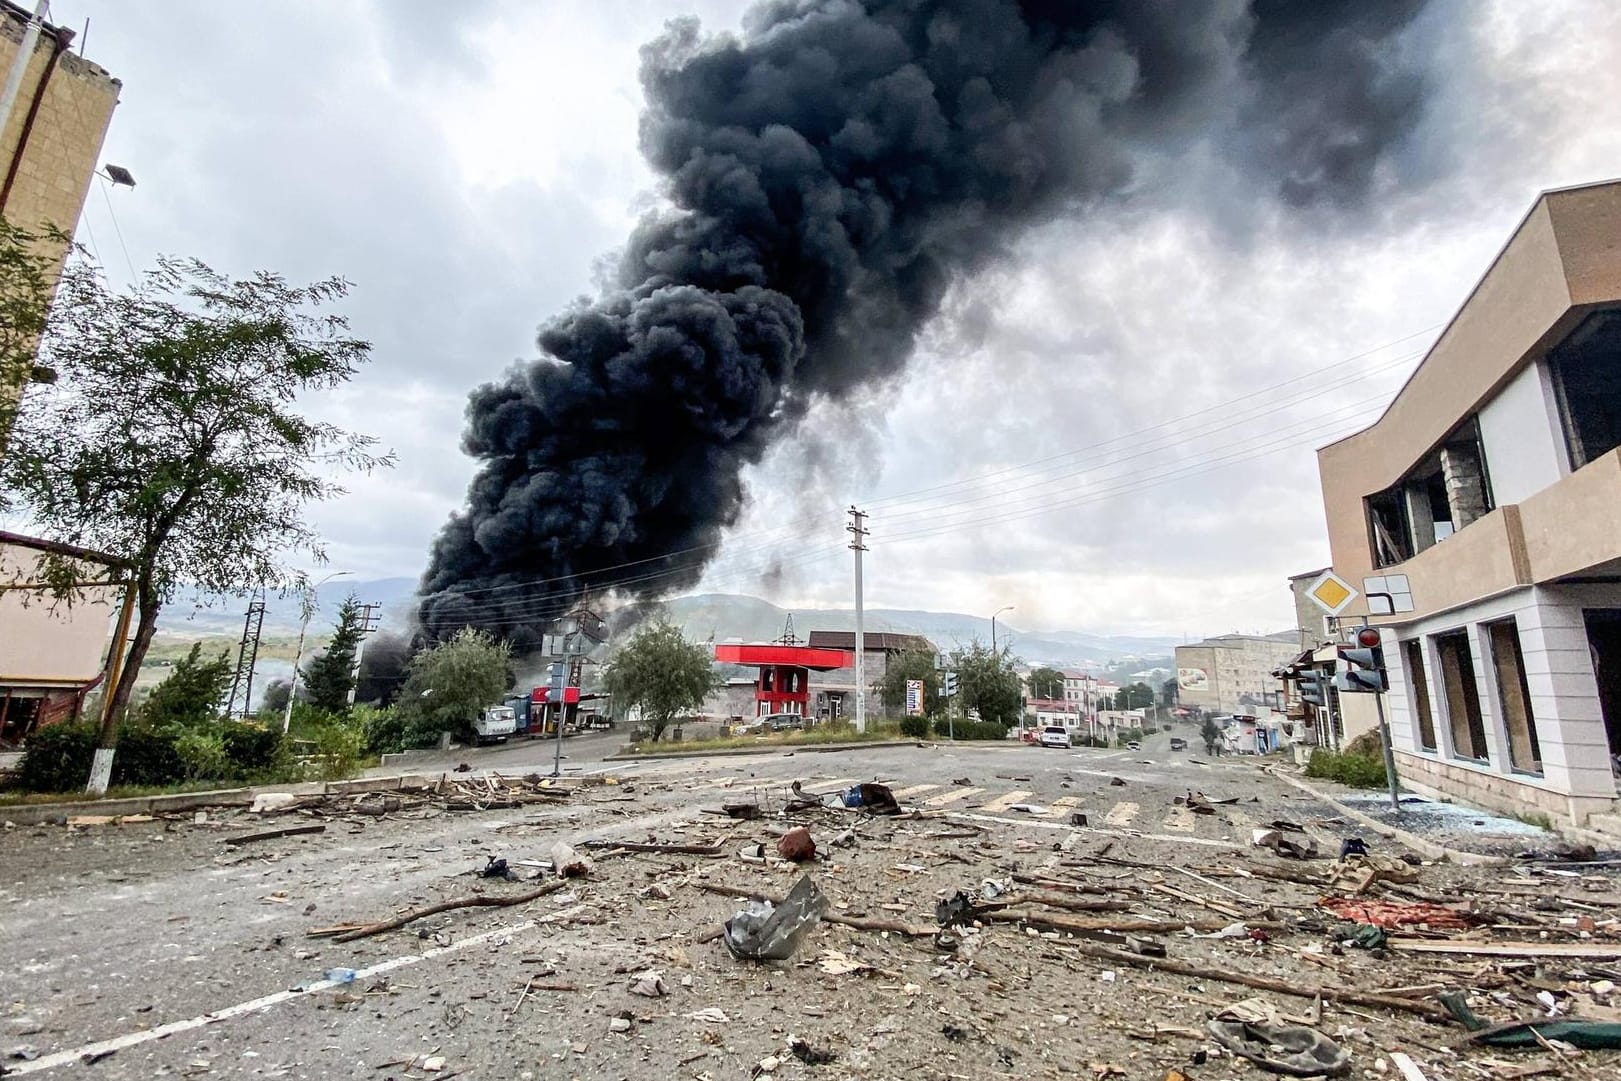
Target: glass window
1418,687
1462,696
1524,750
1586,369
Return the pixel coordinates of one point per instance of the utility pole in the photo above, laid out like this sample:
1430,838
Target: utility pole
19,66
370,616
307,605
858,537
247,657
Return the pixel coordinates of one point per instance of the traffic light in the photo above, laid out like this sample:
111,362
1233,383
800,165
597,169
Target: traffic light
1361,668
948,685
1312,691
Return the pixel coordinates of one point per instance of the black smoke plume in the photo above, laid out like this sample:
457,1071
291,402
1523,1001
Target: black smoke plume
829,173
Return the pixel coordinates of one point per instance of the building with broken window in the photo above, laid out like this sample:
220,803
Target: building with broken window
1482,512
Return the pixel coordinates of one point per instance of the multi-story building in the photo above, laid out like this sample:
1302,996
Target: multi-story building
50,138
1232,673
1481,513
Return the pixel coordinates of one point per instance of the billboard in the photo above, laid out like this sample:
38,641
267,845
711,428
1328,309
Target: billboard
1192,679
914,698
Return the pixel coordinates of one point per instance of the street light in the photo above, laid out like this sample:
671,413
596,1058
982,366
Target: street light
308,602
999,611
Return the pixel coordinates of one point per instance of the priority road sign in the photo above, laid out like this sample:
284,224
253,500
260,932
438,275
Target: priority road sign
1331,593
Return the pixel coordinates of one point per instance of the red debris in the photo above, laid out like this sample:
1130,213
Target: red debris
797,845
1389,914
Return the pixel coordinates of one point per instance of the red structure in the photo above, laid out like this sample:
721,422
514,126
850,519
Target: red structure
783,684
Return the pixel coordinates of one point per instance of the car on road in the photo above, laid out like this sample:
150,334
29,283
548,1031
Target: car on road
1055,735
1178,743
783,722
1134,746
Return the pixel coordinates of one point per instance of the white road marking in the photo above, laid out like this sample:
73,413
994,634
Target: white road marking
1121,813
953,796
135,1039
1026,820
1062,806
915,790
1180,819
823,787
1004,801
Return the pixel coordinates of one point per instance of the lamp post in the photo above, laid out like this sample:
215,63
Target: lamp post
998,612
308,603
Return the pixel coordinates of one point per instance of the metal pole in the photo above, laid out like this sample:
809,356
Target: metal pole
858,532
101,766
1390,755
298,657
19,65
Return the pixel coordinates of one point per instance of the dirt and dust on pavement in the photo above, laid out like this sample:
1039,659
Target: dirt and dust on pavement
528,928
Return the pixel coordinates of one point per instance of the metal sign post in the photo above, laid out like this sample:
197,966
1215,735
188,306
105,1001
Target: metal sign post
554,694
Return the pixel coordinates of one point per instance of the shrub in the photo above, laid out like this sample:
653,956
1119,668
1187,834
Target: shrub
252,751
202,754
1355,770
916,727
967,729
384,728
147,758
58,758
340,749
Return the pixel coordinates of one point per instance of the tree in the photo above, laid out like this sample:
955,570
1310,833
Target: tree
173,440
1167,693
913,664
989,685
661,672
1134,696
448,684
274,703
1210,732
192,693
330,674
1046,683
26,268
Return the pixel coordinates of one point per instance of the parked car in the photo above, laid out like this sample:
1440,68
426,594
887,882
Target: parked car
1134,746
783,722
1055,735
1178,743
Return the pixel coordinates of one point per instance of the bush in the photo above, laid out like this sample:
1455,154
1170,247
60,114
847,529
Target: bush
1355,770
58,758
252,751
339,748
147,758
203,755
384,729
967,729
915,727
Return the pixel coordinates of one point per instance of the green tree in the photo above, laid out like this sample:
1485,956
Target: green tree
27,264
173,439
1167,693
1134,696
661,672
1046,683
447,685
192,694
330,674
1210,732
987,683
913,664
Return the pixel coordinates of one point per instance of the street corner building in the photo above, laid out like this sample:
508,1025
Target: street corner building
1480,517
52,125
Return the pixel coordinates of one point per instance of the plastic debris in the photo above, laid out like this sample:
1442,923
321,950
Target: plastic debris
340,975
709,1015
873,798
764,932
496,869
1587,1035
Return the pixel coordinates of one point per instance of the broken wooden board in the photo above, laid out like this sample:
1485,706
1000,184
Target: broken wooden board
1592,950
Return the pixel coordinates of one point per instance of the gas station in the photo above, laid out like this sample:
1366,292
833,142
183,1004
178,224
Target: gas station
782,680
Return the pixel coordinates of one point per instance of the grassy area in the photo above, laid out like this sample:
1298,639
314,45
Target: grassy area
31,799
820,735
1355,770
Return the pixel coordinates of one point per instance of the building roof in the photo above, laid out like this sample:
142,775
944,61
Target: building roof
761,654
886,641
73,551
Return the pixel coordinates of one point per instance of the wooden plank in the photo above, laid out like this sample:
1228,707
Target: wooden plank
1592,950
270,835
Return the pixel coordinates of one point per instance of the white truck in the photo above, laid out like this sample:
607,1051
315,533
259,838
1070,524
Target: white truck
495,724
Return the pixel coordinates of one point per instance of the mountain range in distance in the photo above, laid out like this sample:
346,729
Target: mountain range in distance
702,617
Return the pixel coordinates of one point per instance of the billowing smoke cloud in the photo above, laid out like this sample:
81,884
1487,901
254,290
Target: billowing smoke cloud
829,173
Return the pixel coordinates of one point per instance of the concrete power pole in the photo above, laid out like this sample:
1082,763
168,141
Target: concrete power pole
858,535
370,616
19,65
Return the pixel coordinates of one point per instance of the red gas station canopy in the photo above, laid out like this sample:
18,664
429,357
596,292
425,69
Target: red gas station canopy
763,655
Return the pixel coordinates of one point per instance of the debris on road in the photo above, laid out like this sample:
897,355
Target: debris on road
796,845
567,863
271,835
763,931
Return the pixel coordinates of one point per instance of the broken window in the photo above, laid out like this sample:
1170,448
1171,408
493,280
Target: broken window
1462,697
1586,370
1436,498
1418,685
1524,752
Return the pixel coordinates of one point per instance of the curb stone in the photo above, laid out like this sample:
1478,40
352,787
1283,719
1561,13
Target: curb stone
790,748
1411,840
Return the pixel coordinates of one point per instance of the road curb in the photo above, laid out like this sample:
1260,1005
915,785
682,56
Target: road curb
33,814
1411,840
755,752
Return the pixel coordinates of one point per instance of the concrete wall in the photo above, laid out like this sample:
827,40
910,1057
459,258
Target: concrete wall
1234,666
46,643
1520,430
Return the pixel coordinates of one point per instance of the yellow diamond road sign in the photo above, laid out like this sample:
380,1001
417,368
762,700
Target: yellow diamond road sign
1331,593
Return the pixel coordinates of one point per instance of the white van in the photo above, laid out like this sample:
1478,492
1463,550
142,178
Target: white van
495,724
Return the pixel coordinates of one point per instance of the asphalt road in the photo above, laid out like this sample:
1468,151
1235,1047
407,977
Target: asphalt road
117,933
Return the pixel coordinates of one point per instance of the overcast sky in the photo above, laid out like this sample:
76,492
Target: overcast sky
468,166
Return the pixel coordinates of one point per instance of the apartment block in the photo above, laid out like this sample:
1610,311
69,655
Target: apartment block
1483,511
1232,673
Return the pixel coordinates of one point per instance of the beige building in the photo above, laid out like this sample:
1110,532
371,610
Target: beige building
1482,509
1232,673
51,136
833,692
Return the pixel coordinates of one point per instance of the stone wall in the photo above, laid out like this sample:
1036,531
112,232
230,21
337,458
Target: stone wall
1440,779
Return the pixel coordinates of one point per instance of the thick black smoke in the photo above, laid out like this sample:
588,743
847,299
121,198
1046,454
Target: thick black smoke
829,173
